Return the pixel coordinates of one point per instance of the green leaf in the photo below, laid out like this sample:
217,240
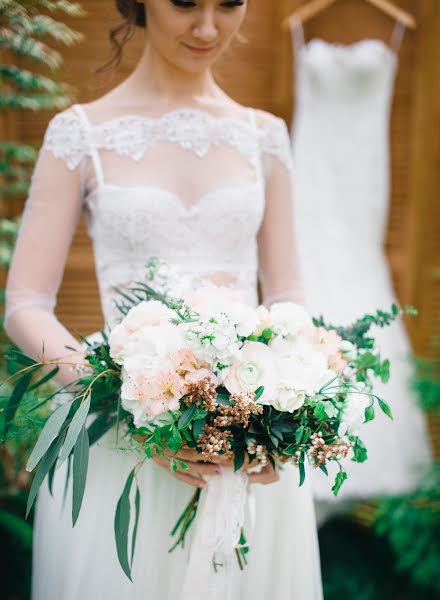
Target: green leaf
45,465
302,473
339,480
75,427
15,399
319,412
121,526
299,433
50,477
238,458
360,453
50,430
137,505
20,358
198,427
187,416
79,472
385,408
223,399
384,372
369,413
44,379
323,469
258,392
175,441
290,450
103,422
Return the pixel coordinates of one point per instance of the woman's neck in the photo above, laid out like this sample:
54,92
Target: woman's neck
154,79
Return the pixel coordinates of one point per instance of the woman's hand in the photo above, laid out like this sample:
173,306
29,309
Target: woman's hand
267,475
196,468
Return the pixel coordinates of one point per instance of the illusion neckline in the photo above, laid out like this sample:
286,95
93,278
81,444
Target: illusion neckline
183,111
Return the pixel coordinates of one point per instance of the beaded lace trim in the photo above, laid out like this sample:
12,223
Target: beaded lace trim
69,139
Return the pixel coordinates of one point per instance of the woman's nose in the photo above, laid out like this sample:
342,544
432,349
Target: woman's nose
206,27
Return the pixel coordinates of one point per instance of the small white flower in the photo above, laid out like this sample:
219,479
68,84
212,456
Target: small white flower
353,414
213,340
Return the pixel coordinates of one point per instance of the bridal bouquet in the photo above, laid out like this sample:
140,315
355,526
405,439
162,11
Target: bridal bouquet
209,372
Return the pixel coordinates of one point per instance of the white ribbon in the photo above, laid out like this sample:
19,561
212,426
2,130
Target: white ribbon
220,518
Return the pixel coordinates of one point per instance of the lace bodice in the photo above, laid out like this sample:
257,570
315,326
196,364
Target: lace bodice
210,195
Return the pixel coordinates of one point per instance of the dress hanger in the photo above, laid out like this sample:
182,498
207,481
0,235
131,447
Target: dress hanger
313,8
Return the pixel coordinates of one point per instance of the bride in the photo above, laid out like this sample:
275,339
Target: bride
167,165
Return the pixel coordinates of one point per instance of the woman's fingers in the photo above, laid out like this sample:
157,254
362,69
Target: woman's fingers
185,477
267,475
192,475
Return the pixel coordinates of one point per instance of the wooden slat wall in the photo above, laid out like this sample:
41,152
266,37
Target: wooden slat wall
260,73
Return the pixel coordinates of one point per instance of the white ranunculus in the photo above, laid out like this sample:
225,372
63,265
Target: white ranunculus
353,414
256,367
288,318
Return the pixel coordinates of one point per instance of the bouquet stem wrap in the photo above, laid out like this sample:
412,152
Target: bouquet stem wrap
218,525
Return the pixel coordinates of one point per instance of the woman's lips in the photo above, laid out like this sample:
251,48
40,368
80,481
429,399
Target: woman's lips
199,51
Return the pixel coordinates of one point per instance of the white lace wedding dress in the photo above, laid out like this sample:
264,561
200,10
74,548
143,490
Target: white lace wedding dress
341,198
211,195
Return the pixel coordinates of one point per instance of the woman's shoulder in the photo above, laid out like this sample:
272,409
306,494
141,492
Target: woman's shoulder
66,137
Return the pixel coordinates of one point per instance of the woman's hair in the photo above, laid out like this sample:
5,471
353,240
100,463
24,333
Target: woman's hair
134,16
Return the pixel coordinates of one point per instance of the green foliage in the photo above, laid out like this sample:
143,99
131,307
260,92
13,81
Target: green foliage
27,28
411,524
425,383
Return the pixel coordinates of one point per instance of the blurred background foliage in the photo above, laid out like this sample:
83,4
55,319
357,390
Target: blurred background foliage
384,549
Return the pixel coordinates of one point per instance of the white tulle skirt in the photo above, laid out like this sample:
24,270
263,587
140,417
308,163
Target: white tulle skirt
81,563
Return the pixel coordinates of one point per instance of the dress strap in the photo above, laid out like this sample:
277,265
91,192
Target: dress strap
297,32
93,151
397,36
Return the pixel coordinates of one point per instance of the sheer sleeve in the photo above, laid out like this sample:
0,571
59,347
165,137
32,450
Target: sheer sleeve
50,217
279,270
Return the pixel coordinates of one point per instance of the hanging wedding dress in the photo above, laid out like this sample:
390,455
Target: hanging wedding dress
210,195
341,195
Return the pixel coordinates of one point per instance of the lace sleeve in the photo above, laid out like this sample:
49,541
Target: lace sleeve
50,217
279,270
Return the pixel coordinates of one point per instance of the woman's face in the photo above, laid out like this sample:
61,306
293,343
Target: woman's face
192,34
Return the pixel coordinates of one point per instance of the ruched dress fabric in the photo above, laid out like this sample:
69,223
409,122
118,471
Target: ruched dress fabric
212,196
340,144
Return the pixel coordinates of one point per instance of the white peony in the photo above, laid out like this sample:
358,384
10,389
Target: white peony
144,314
303,370
288,318
256,367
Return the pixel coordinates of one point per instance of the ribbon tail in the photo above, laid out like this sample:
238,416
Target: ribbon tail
218,524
